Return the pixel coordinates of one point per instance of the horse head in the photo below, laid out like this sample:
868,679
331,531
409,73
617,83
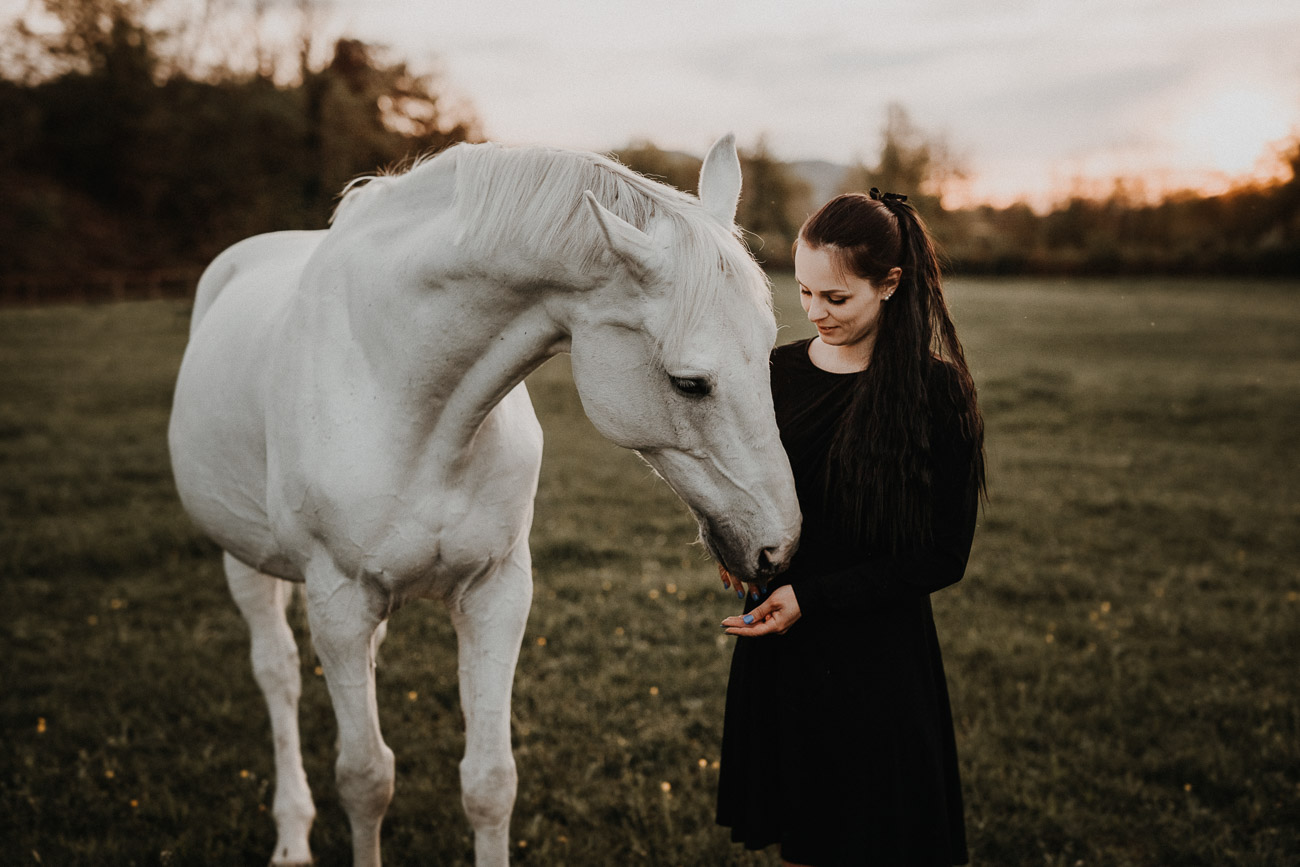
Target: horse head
670,358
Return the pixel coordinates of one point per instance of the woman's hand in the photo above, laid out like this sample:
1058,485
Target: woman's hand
778,613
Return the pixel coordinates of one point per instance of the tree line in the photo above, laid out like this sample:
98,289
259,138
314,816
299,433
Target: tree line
115,154
1251,230
120,153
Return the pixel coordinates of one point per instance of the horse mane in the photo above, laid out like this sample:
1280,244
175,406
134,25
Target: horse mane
528,202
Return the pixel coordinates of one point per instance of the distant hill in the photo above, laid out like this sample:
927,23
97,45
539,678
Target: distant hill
824,178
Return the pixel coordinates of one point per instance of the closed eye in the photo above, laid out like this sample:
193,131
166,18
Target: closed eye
807,293
692,386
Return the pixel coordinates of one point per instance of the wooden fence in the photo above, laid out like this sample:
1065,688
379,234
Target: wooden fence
97,286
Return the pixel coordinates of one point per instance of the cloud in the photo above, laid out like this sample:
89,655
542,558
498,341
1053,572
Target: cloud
1050,87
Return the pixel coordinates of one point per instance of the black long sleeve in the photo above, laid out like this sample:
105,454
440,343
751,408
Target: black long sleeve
879,580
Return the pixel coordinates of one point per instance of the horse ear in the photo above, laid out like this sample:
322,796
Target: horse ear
720,180
627,242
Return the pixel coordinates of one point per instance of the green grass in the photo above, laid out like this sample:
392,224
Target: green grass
1122,654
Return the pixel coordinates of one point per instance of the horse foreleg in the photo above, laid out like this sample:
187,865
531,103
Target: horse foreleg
262,600
345,615
489,620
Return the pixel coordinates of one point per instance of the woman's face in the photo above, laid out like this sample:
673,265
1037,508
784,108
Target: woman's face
844,307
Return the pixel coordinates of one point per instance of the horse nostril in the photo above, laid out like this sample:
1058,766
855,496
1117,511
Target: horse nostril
765,562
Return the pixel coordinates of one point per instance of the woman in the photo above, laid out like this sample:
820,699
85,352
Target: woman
838,740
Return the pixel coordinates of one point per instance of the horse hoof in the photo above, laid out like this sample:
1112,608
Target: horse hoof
297,861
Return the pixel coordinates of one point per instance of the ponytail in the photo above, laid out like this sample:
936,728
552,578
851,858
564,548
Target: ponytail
883,448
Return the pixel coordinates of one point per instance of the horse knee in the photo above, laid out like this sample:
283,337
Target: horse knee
365,784
488,791
275,668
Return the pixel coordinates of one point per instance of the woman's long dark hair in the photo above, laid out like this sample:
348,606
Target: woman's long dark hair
882,450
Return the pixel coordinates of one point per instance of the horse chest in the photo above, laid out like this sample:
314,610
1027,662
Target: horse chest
420,521
443,542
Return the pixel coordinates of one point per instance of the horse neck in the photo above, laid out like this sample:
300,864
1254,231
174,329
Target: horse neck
482,369
443,342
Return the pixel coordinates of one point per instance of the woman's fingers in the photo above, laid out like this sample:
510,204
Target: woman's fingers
778,613
767,626
761,621
731,582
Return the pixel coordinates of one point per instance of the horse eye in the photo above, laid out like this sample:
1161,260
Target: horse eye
692,386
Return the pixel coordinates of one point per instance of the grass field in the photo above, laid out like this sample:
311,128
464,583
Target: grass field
1122,654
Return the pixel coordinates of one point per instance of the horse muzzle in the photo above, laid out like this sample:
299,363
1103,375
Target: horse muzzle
749,560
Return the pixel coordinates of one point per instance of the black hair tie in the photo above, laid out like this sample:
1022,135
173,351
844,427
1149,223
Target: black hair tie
886,197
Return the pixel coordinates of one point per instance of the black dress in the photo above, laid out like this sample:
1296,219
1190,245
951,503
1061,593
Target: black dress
838,738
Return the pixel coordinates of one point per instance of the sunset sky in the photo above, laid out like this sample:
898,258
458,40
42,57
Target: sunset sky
1036,98
1031,94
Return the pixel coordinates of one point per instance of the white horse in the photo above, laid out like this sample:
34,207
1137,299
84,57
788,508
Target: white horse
350,413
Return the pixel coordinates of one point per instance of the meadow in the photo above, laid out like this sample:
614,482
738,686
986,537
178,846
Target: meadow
1122,654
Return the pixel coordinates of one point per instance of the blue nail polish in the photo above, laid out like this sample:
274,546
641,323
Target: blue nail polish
755,595
740,594
749,619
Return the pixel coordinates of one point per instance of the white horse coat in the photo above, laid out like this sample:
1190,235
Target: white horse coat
350,414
